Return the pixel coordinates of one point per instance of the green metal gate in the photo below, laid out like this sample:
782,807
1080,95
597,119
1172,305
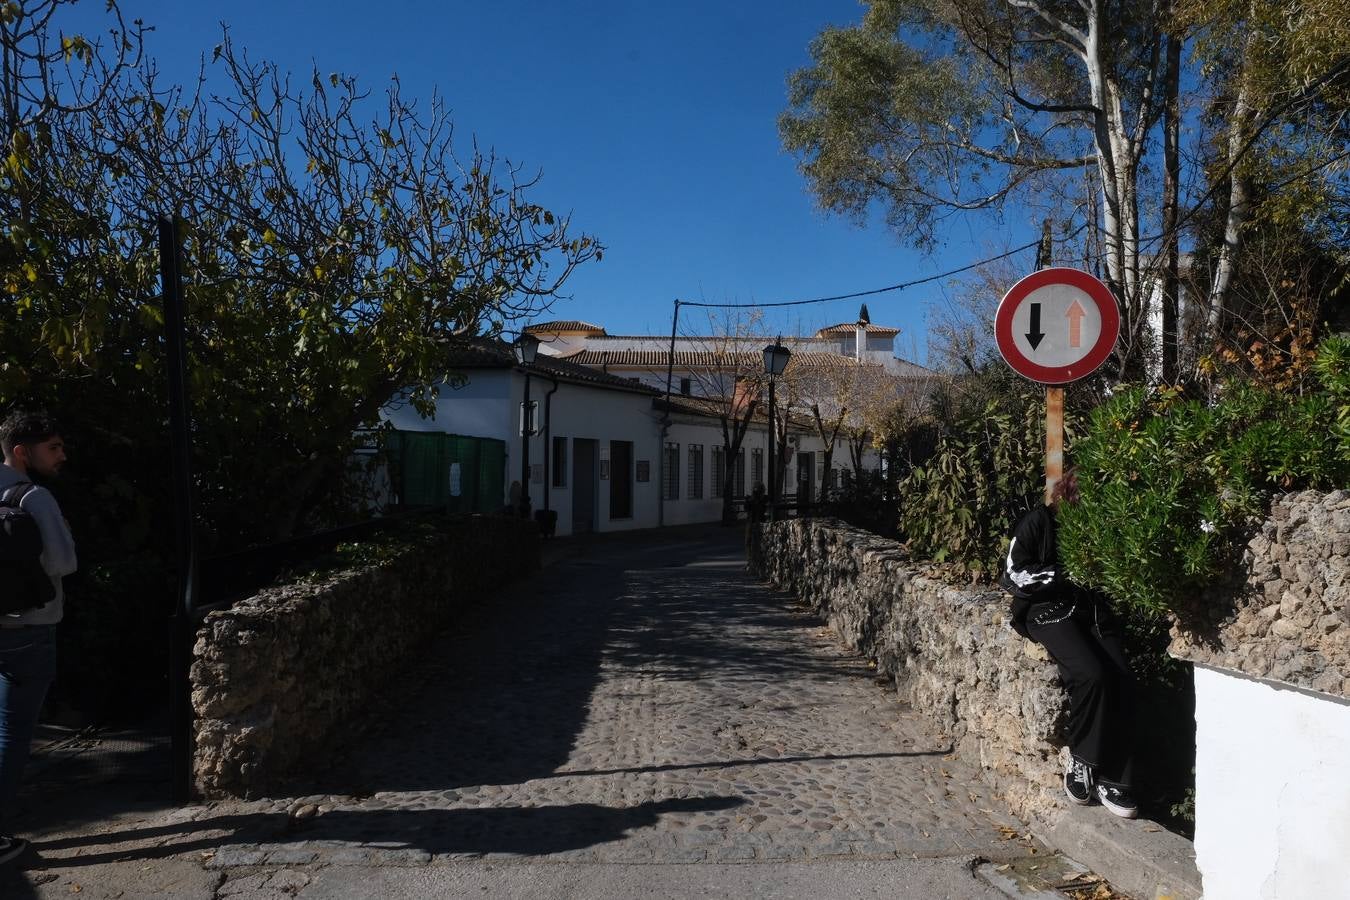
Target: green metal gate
460,473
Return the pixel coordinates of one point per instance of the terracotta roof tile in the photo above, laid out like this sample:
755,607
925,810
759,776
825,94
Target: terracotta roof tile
848,328
701,359
499,356
566,325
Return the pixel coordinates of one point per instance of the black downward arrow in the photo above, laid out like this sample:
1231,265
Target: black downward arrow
1035,335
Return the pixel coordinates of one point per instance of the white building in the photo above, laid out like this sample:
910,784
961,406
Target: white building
692,366
608,452
647,356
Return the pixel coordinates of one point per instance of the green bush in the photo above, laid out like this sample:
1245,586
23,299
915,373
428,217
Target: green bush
987,468
861,502
1170,485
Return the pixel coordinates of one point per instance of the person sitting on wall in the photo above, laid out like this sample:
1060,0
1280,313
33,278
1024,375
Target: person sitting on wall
1082,635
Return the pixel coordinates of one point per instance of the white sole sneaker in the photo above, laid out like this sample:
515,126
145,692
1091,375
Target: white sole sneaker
1125,812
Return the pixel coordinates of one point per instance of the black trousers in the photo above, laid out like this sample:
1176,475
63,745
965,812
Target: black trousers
1084,638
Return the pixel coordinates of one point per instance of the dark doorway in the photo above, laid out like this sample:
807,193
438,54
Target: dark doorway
621,479
583,485
806,477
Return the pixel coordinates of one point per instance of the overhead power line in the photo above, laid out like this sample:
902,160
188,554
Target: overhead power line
881,290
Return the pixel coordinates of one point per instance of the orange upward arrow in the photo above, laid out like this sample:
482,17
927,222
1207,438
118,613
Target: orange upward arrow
1075,312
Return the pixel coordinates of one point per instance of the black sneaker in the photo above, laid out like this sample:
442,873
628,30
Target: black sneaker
11,848
1118,799
1078,781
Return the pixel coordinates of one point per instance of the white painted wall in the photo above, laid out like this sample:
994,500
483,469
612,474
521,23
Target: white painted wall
488,405
603,416
1272,796
476,409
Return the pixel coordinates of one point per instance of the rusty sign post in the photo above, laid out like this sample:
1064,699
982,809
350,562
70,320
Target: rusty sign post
1053,327
1054,438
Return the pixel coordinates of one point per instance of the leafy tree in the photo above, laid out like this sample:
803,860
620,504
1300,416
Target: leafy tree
337,246
335,250
929,110
727,371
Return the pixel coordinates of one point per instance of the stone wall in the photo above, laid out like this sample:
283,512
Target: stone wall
278,677
1287,617
1272,708
950,649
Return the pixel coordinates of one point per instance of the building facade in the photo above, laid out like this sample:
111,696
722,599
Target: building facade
608,451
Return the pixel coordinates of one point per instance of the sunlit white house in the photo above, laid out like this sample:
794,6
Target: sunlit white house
608,450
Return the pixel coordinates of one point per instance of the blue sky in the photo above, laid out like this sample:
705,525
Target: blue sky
654,124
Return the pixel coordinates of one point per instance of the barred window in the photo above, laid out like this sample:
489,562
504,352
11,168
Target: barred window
756,467
719,470
670,473
738,475
695,471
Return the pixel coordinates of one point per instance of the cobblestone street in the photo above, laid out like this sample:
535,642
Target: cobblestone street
642,704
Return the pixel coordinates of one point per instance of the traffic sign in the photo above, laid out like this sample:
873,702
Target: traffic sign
1057,325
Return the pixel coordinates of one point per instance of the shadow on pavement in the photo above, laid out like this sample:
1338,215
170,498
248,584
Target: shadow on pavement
503,698
527,831
499,699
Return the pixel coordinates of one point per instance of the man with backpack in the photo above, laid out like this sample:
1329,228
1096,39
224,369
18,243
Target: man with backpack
36,550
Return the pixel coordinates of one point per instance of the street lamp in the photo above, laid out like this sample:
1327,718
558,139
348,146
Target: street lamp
776,358
525,348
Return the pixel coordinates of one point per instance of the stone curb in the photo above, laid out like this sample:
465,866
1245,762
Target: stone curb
1137,856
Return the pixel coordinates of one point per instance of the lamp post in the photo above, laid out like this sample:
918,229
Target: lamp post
525,348
776,358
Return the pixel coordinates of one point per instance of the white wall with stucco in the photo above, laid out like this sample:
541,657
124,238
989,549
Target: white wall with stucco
602,415
476,407
1272,797
487,404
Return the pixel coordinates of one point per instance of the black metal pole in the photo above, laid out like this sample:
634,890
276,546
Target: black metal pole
665,418
773,473
525,424
548,440
183,622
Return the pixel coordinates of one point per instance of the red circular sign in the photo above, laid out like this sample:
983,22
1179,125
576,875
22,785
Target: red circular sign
1057,325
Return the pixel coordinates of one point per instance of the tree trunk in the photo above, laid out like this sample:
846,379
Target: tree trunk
1238,205
828,438
733,435
1171,181
827,458
857,446
1117,162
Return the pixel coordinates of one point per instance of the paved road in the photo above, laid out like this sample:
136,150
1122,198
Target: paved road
641,719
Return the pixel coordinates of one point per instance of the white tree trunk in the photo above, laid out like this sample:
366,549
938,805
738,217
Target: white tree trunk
1239,206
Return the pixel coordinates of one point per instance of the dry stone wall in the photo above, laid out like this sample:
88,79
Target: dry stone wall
278,678
950,649
1287,617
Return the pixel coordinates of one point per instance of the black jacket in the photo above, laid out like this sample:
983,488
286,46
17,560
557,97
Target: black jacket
1031,571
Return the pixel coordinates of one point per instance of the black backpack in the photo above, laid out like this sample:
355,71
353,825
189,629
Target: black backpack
24,584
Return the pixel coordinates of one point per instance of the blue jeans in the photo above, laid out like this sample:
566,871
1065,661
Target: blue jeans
27,667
